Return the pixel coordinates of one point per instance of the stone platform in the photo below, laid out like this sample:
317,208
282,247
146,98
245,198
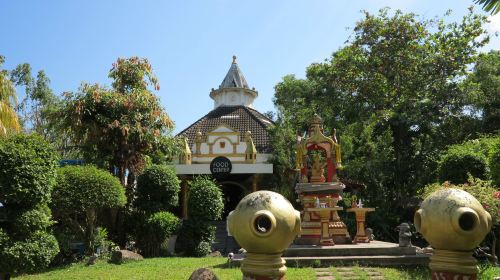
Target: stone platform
375,253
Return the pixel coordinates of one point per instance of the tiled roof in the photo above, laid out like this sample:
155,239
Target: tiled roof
240,118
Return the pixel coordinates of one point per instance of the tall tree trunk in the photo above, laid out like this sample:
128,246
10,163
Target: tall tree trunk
91,219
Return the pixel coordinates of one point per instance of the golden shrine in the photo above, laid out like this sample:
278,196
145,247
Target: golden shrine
319,190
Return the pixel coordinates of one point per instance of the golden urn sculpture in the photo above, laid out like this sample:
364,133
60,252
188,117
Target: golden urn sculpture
454,223
264,223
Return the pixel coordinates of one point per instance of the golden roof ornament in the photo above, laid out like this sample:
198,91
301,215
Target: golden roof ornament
185,156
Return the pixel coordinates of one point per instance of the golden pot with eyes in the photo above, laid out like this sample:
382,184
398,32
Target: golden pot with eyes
454,223
264,223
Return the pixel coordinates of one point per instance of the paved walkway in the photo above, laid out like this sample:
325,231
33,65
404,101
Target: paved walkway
347,273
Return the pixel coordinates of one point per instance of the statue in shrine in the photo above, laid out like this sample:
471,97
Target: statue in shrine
317,170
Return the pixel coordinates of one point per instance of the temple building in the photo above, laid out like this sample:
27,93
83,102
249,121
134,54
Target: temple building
231,142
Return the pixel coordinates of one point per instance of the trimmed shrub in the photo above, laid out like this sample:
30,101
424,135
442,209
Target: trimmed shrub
474,157
455,165
204,200
204,204
27,176
30,255
192,233
82,191
27,170
27,222
157,189
86,187
202,249
155,231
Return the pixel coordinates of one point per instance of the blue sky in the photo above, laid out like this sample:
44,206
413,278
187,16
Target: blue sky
190,43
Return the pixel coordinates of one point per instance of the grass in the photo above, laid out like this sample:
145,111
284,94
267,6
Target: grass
156,268
181,268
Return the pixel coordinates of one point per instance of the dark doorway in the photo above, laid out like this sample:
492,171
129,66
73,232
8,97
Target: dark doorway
232,194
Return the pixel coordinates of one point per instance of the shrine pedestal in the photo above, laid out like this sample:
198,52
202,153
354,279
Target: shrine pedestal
320,222
361,236
325,215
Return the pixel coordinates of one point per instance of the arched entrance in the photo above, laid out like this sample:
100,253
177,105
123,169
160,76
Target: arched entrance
232,192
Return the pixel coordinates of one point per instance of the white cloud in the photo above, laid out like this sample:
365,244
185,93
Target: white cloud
494,25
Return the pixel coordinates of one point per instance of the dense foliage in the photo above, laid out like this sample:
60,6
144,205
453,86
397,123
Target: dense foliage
484,86
396,95
27,176
157,189
471,157
118,126
82,191
494,161
456,164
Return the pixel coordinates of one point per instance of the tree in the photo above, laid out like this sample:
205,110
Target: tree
39,102
395,94
80,192
484,83
8,119
122,124
27,176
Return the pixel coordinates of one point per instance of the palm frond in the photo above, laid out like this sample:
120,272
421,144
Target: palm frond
8,120
492,6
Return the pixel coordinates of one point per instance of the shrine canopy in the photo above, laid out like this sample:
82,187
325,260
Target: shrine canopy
312,169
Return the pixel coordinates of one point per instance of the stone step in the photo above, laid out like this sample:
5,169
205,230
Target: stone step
223,243
374,248
382,260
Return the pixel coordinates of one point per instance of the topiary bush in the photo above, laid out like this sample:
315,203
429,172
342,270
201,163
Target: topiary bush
27,170
192,233
27,222
82,191
30,255
474,157
204,204
204,199
155,231
157,189
27,176
458,162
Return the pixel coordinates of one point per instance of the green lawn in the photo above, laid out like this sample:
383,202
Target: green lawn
157,268
181,268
